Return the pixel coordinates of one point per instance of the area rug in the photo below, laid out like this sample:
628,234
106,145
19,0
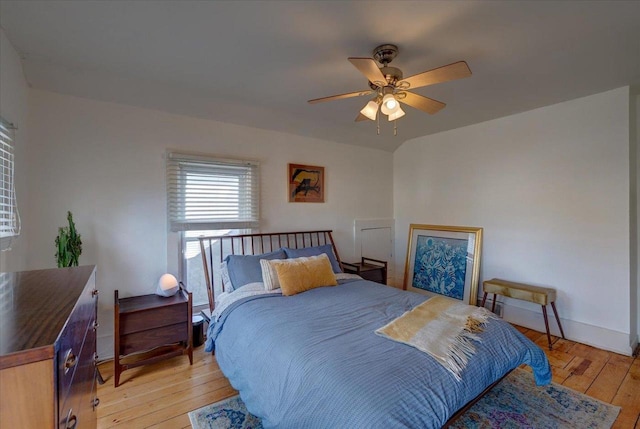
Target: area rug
229,413
516,402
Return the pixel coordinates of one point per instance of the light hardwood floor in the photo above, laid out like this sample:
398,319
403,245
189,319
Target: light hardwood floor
160,395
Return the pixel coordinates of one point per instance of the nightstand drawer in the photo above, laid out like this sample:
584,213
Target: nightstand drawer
152,338
369,269
374,275
152,318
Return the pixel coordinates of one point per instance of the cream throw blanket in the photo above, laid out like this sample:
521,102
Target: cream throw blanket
442,327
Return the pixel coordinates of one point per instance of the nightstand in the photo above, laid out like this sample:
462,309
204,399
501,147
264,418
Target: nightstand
150,328
369,269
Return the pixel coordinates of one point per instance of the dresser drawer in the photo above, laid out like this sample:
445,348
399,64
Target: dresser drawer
72,338
78,404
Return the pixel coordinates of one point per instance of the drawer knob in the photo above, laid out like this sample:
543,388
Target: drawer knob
72,420
96,402
70,360
95,292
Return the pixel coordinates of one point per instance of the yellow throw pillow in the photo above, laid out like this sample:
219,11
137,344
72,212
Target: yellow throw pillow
301,274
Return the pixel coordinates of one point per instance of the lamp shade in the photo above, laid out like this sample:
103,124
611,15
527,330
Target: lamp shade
167,285
389,104
399,113
370,110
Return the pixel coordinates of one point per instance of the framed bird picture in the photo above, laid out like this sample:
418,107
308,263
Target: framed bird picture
306,183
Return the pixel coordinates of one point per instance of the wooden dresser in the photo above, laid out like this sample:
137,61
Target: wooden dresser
48,348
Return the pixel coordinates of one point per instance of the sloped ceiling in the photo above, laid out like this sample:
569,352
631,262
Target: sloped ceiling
257,63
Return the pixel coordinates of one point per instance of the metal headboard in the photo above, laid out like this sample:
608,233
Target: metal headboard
215,248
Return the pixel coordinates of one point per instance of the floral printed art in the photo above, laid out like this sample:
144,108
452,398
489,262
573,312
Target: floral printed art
444,260
440,265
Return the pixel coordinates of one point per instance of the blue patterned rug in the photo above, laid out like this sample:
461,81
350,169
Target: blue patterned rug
516,402
229,413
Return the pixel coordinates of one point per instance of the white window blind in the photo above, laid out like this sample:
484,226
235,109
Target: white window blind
208,193
9,217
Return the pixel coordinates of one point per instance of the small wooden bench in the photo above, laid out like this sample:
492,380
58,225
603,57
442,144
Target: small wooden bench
536,294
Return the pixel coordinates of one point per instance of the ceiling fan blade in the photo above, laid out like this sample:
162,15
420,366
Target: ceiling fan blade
425,104
370,69
441,74
361,117
340,96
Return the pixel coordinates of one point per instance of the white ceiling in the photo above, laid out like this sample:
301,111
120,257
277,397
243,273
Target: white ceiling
257,63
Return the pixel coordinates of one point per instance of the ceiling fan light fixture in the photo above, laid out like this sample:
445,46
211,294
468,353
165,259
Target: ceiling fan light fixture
399,113
370,110
390,103
391,88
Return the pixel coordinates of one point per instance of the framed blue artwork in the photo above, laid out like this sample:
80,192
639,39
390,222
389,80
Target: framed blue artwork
444,260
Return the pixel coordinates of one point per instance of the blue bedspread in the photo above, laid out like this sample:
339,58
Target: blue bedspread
312,360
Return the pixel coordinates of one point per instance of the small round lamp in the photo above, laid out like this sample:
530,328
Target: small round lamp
167,285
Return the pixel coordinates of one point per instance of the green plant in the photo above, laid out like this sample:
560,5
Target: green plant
68,244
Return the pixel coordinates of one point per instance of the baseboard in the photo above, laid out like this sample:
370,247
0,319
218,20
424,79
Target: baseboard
105,347
584,333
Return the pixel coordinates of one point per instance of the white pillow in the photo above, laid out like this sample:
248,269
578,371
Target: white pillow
227,286
269,274
347,276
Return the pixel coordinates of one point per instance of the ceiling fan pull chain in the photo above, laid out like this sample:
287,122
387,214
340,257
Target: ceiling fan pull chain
395,127
378,124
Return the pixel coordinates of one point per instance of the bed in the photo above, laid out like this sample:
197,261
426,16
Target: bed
314,360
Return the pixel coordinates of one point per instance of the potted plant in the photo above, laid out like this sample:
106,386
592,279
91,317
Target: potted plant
68,244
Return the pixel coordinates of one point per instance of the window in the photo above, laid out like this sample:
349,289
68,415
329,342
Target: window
208,196
9,217
191,269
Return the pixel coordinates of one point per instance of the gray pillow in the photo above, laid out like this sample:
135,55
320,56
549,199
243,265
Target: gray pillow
315,251
245,269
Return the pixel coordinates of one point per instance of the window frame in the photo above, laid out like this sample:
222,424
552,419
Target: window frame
182,218
10,224
248,200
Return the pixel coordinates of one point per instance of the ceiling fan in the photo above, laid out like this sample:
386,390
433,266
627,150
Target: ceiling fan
390,88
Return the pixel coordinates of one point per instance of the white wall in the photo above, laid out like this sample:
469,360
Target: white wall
13,107
104,162
551,189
